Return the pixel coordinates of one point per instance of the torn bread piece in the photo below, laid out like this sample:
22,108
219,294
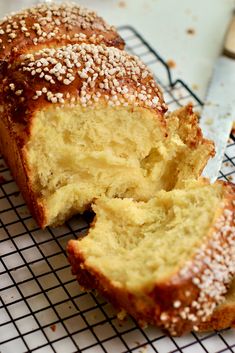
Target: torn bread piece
168,261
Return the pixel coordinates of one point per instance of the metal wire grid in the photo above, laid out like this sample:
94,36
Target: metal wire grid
42,308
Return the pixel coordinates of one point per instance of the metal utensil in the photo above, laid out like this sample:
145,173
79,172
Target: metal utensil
219,111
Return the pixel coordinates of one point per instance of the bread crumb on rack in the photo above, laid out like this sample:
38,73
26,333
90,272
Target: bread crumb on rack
53,327
171,63
121,315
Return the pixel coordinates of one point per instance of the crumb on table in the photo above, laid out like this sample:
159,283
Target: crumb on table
190,31
209,121
194,86
122,4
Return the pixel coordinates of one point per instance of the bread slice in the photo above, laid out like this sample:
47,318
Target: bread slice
54,25
167,261
224,315
87,121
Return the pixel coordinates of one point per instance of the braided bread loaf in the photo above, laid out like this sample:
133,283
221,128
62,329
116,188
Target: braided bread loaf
82,120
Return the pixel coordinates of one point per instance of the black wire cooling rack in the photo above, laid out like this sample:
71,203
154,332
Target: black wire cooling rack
42,308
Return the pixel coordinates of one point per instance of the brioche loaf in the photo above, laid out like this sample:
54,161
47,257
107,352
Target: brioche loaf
167,261
85,121
54,25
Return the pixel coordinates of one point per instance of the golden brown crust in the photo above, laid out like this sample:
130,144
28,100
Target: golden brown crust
185,300
190,133
53,25
189,129
222,318
224,315
79,73
14,155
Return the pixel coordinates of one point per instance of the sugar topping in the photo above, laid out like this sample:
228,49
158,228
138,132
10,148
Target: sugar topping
213,268
88,73
66,21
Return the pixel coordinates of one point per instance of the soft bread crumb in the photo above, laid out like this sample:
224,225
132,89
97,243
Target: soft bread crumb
136,244
167,261
79,154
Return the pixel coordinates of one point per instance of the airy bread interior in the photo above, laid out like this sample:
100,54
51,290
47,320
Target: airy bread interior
138,244
76,154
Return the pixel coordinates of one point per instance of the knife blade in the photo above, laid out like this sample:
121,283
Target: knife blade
219,110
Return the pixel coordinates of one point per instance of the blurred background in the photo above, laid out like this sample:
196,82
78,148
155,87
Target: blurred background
186,33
